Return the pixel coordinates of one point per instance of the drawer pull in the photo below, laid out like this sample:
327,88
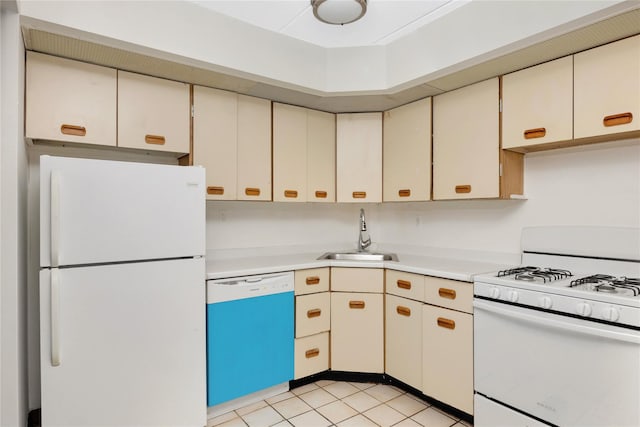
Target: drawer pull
356,304
403,311
316,312
312,280
461,189
218,191
617,119
154,139
446,323
359,194
535,133
404,193
404,284
291,194
314,352
447,293
321,194
73,130
252,191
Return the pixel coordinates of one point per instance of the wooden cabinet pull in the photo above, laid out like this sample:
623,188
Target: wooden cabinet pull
403,284
447,293
534,133
359,194
154,139
403,311
314,352
617,119
404,193
356,304
252,191
312,280
463,189
215,190
316,312
73,130
321,194
290,194
446,323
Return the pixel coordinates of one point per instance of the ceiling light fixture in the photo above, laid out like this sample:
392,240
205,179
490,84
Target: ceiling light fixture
339,12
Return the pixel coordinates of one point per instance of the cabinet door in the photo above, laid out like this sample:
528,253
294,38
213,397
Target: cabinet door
466,142
289,153
447,354
153,114
313,314
311,355
254,148
537,105
321,156
407,152
215,134
607,89
69,101
357,332
359,157
403,340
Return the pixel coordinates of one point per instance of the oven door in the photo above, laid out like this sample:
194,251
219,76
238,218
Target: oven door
562,370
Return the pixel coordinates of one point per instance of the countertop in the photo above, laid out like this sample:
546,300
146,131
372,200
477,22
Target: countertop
457,266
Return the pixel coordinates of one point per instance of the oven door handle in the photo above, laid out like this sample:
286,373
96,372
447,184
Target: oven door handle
523,315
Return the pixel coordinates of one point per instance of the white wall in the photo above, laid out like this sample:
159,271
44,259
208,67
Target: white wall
591,185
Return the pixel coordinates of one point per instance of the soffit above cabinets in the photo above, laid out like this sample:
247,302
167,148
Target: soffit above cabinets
53,35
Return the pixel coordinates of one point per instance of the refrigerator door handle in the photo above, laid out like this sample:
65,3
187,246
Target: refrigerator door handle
55,218
55,317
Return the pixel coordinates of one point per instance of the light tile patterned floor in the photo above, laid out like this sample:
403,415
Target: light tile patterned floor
342,404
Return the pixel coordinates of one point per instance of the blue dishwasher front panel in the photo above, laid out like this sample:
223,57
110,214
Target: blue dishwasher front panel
249,345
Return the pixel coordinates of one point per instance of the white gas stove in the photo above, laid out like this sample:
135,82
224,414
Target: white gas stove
557,339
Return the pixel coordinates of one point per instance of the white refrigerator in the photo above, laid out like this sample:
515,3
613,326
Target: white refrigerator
122,294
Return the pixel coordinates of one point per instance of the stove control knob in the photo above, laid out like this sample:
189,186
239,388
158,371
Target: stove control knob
584,309
513,296
546,302
611,314
494,293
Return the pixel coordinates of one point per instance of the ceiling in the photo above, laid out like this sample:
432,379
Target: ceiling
385,20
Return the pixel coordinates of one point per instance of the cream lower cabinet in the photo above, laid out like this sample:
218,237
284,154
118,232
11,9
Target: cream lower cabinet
406,152
312,322
403,340
153,113
70,101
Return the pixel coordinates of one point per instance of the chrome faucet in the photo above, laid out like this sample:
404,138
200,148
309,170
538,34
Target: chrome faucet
364,240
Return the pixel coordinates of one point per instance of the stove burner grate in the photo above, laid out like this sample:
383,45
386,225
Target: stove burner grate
607,283
536,273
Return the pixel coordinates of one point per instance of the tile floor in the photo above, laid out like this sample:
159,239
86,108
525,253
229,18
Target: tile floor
338,403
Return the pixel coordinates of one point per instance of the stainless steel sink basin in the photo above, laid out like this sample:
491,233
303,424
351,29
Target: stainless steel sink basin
359,256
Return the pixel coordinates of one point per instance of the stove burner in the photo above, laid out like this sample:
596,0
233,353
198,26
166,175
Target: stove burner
607,283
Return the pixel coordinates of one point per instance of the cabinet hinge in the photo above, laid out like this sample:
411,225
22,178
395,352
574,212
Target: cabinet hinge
500,169
500,105
192,111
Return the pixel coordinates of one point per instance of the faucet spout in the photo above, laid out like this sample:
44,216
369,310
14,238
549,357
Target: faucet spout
364,240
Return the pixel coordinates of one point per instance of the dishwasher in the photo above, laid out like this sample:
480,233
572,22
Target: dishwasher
250,335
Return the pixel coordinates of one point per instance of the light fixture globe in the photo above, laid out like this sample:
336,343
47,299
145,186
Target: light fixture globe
339,12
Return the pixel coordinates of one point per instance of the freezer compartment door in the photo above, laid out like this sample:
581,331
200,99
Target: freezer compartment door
97,211
124,345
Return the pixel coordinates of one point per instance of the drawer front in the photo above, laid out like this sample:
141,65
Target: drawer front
407,285
449,293
311,281
357,279
313,314
311,355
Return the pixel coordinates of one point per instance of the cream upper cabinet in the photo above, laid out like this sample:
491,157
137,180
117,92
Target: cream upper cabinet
406,148
607,89
215,140
254,148
466,149
537,105
303,154
359,157
70,101
153,114
403,340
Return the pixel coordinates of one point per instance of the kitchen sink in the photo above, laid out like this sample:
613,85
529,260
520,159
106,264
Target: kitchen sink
359,256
